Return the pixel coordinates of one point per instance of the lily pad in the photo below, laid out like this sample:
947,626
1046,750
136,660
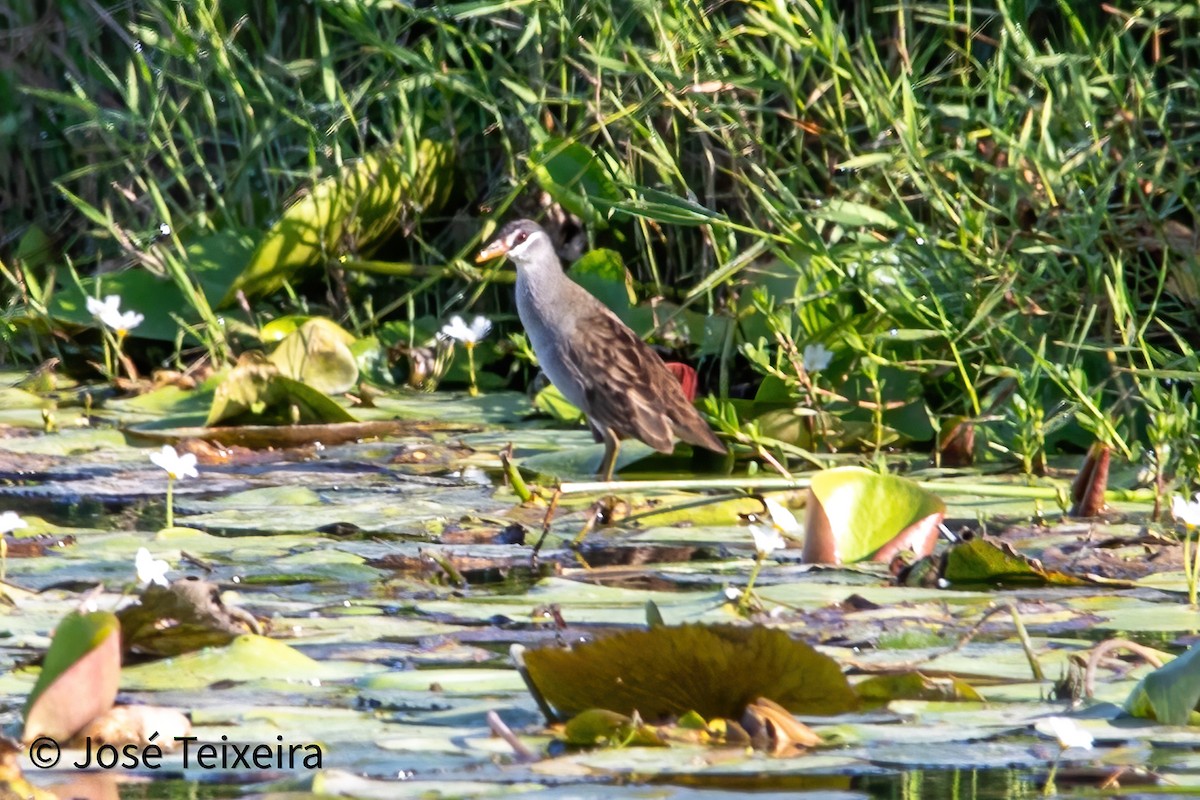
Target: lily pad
213,260
602,272
985,561
714,670
246,658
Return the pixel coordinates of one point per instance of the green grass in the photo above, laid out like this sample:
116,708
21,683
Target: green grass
982,210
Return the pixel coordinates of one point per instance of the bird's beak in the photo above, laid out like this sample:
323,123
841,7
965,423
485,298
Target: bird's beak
493,250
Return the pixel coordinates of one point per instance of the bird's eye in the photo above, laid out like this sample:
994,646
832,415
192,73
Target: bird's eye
520,237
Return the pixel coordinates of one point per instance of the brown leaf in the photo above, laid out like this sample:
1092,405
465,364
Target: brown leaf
772,727
1087,490
956,443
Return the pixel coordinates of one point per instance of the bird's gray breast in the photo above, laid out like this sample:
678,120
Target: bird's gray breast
548,322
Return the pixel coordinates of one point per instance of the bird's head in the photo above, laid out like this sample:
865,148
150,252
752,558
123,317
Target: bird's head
525,244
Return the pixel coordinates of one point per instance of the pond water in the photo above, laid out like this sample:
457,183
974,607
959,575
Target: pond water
391,578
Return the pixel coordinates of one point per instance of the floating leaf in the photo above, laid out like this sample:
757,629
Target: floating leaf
855,514
259,437
883,689
600,727
79,676
246,658
984,561
356,208
666,671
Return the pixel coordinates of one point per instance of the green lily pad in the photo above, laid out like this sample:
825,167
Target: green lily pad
213,260
602,272
984,561
246,658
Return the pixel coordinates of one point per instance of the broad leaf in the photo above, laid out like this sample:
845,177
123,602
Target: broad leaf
1171,693
318,354
79,676
855,514
356,208
576,178
714,670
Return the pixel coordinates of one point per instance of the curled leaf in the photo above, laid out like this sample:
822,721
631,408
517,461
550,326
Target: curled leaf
854,514
79,676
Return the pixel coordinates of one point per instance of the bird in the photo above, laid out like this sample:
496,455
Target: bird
599,364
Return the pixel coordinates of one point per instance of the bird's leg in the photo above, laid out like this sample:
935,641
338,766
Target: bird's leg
612,446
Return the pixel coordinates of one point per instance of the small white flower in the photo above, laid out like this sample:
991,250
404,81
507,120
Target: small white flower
458,330
783,519
150,569
177,466
108,311
9,522
1185,512
766,539
164,229
1065,731
109,305
816,357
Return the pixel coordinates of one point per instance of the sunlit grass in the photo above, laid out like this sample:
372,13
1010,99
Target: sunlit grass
990,212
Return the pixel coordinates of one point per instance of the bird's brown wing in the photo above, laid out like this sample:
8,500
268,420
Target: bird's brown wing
629,389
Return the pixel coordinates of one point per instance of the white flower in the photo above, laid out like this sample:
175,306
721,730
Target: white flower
783,519
816,357
766,540
1065,731
9,522
108,311
150,569
177,466
1185,512
458,330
